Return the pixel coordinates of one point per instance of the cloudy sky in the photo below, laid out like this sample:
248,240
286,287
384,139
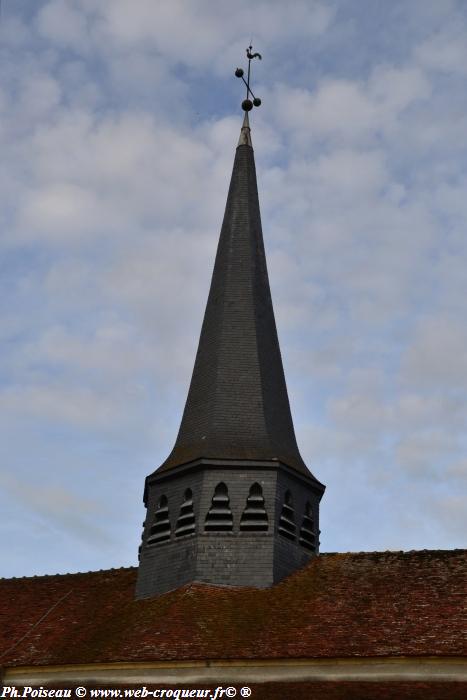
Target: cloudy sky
118,124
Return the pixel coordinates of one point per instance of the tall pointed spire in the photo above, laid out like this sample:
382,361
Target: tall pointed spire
234,503
237,405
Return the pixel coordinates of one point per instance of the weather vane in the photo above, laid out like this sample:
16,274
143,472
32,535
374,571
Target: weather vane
247,104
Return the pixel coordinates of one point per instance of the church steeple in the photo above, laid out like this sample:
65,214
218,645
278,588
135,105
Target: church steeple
237,405
235,469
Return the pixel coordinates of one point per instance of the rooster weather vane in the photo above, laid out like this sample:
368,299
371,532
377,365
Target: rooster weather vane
247,104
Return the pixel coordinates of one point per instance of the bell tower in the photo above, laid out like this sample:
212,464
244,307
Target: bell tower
234,503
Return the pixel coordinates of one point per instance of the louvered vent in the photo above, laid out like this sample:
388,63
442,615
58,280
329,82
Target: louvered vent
254,517
186,519
219,517
307,532
160,530
287,527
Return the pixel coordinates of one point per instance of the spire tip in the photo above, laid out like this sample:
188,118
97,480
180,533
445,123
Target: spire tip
245,133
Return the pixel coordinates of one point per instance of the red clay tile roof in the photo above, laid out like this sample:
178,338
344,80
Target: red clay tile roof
339,605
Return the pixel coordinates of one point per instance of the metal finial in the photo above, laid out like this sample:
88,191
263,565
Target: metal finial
247,104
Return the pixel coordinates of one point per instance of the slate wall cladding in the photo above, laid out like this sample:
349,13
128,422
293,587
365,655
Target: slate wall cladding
290,555
234,558
301,494
166,567
237,558
171,564
238,482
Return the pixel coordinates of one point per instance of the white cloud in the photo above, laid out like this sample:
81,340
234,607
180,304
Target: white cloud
351,111
424,454
437,356
62,211
196,35
445,50
351,172
83,407
395,89
64,23
112,349
336,107
450,513
458,471
60,509
40,94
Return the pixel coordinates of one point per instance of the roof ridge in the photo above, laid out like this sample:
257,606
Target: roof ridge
380,552
69,573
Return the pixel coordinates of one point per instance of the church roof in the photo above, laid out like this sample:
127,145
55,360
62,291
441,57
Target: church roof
368,604
237,406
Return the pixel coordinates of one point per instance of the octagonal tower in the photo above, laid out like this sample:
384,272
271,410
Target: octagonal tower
234,503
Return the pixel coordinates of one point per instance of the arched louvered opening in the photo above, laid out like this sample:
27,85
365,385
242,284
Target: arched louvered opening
254,517
160,529
287,527
307,532
186,520
219,517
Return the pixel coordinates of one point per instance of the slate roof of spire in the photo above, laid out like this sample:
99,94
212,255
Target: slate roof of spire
237,405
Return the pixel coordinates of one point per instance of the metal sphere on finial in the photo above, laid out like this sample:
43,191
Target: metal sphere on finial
256,102
247,105
239,72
